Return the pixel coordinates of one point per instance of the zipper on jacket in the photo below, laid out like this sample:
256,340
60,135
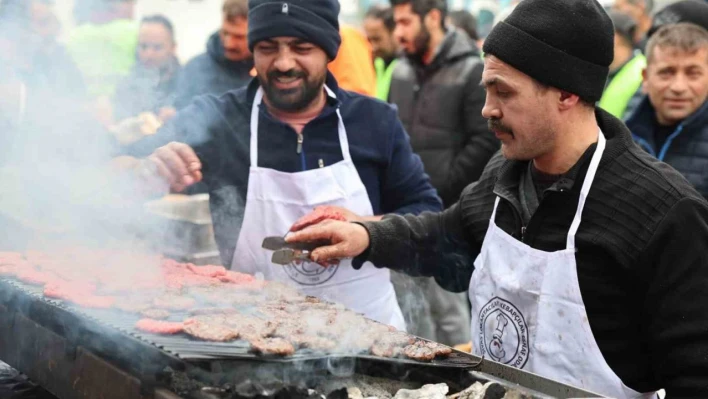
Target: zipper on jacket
523,233
301,152
300,140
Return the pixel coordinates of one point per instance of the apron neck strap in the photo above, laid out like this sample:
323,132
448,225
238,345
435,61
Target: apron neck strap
258,99
585,190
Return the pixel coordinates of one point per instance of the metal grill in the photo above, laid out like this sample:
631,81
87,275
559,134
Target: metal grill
110,334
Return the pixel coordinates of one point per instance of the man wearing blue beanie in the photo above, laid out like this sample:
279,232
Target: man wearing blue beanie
292,141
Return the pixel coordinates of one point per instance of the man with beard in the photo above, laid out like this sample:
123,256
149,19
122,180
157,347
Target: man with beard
379,26
584,257
227,63
436,88
290,141
145,99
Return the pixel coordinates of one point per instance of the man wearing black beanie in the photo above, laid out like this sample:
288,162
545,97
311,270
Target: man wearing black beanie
585,258
290,142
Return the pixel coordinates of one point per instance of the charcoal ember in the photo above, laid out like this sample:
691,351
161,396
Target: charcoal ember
490,390
419,351
313,342
159,326
210,328
156,314
430,391
272,346
173,302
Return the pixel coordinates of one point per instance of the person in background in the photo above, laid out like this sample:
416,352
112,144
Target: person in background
145,99
436,89
379,26
103,45
466,22
693,11
672,121
622,94
227,63
640,11
290,141
354,66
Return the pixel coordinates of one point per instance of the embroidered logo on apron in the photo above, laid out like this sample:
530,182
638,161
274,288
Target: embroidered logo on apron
504,335
310,273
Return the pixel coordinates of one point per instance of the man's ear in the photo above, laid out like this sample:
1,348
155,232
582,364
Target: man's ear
567,100
644,81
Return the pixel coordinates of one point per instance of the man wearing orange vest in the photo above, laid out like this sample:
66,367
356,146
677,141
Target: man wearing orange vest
353,68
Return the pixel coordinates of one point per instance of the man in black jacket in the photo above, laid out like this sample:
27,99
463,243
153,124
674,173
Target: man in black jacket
672,121
227,63
436,88
585,257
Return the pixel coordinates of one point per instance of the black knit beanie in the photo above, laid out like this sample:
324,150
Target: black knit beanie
692,11
566,44
313,20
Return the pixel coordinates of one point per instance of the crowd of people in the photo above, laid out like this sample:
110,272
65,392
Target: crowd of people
450,150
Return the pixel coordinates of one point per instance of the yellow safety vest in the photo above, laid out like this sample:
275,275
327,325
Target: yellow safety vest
383,78
621,89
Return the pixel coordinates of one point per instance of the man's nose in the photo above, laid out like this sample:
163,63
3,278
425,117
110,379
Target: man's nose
679,84
284,61
490,110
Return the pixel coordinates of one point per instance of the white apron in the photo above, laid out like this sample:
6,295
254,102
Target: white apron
275,200
527,310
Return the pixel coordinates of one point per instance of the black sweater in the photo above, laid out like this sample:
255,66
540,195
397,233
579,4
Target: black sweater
642,256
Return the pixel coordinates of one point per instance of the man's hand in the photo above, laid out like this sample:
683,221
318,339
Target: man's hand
328,212
178,164
347,240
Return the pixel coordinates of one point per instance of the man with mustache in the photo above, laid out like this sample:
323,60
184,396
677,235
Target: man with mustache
289,142
672,121
585,258
227,63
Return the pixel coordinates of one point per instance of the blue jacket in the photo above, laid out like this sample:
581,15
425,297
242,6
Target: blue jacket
211,73
218,128
686,149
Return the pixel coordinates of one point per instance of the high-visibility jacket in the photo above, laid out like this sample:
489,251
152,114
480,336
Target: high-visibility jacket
383,77
623,87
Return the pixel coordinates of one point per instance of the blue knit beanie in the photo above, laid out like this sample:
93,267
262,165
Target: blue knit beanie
315,21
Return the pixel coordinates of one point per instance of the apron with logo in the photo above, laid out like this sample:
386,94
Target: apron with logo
275,200
527,310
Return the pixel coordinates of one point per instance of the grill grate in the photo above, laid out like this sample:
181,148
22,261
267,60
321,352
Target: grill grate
187,349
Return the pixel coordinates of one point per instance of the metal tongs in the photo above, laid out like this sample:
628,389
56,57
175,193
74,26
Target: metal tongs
286,253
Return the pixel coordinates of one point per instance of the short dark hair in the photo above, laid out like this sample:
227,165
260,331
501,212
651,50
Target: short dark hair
423,7
234,9
464,20
161,20
384,13
684,36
